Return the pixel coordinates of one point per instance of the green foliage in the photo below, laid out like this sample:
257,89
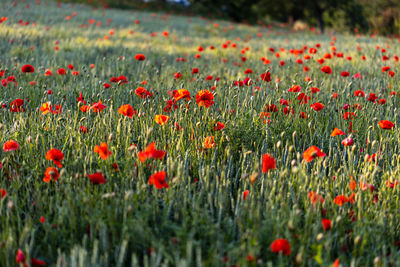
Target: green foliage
202,218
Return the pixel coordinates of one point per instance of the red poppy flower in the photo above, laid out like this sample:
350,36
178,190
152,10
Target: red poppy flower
97,107
245,194
268,163
126,110
140,57
345,74
326,223
387,125
37,262
266,77
158,180
56,156
311,153
28,69
102,150
218,126
281,246
20,258
61,71
204,98
97,178
80,99
10,145
372,97
326,69
348,141
3,193
51,173
359,93
142,92
348,115
315,90
151,152
317,106
295,89
17,105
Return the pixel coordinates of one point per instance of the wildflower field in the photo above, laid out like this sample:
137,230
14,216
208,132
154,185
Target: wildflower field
132,138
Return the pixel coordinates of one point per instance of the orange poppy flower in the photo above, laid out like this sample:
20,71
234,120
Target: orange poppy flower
10,145
311,153
97,178
314,197
158,180
84,108
204,98
181,94
281,246
56,156
51,173
161,119
336,132
102,150
151,152
268,163
126,110
340,200
387,125
209,142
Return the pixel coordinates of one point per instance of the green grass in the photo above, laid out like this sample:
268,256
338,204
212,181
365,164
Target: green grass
201,219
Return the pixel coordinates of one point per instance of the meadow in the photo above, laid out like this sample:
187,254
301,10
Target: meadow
136,138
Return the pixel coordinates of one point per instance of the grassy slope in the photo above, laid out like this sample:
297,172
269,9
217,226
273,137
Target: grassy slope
190,222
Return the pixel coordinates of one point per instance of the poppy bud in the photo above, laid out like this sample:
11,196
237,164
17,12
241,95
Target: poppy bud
338,218
290,225
366,157
373,143
295,170
110,137
10,205
293,162
377,260
291,149
278,145
320,236
299,258
357,240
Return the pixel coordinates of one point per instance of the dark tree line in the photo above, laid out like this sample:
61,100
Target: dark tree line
341,15
365,15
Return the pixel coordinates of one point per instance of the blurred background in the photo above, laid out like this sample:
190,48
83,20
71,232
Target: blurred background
363,16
